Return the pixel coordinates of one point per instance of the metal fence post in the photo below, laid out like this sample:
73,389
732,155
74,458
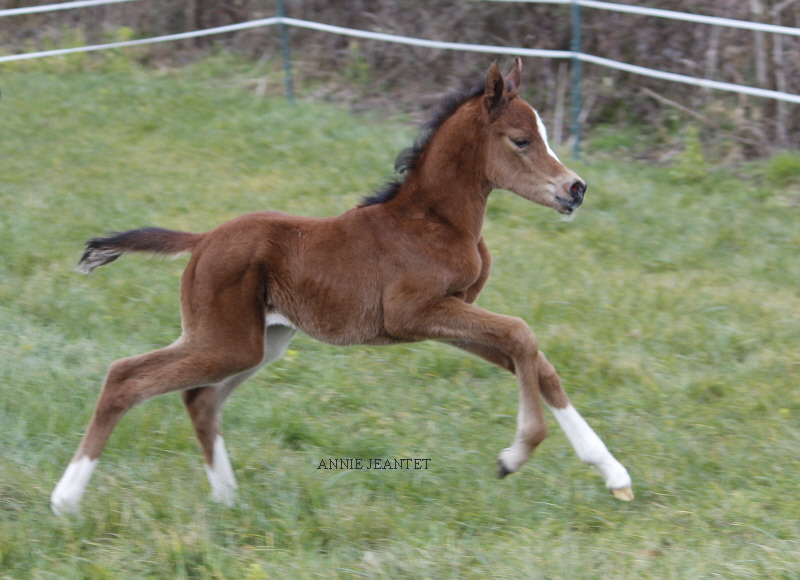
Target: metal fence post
287,57
576,80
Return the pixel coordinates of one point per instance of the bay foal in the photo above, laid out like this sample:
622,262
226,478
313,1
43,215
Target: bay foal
406,265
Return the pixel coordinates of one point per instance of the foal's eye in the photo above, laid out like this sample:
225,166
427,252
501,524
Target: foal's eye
521,143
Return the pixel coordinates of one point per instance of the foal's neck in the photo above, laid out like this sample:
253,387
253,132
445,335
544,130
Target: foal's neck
449,184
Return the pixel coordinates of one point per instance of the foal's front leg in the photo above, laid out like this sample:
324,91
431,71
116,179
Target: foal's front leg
504,338
511,458
587,444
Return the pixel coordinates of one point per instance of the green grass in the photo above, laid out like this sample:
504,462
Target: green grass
670,308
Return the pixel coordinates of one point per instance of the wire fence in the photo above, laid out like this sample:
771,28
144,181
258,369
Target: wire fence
142,41
670,14
59,6
483,48
640,10
576,55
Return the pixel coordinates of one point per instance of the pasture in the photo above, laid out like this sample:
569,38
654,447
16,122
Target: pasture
669,305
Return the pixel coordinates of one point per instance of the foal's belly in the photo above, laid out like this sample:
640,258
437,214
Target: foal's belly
338,318
348,333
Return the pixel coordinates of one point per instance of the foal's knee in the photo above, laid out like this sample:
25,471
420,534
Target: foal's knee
550,384
521,340
547,372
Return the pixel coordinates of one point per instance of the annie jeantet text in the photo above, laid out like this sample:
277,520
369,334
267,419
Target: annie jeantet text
357,463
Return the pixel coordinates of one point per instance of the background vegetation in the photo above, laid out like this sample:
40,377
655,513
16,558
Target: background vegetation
380,76
670,306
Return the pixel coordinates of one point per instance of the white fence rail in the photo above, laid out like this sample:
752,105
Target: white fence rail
488,49
59,6
141,41
685,16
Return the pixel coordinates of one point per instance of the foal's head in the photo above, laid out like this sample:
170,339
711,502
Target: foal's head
519,158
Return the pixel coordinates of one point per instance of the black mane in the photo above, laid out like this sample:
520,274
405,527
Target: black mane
407,158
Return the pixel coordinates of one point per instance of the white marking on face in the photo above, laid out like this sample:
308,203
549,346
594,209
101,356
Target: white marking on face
70,489
220,475
543,134
590,448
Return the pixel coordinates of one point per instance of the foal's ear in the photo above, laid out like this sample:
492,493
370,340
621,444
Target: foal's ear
495,86
514,76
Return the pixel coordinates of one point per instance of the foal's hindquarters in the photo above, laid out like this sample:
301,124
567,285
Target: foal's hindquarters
228,334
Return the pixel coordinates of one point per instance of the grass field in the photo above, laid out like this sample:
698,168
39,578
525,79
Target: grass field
670,306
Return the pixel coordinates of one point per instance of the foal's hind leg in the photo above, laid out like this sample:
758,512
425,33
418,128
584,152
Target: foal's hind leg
204,405
134,380
589,447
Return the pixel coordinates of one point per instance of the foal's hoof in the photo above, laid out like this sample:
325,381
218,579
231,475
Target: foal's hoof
502,470
623,493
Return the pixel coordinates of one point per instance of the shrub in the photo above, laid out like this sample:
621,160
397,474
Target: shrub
783,169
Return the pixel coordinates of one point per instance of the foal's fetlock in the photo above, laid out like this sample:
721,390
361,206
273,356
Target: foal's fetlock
502,470
510,460
67,495
618,481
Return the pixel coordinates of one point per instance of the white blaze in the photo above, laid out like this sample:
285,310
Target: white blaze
543,134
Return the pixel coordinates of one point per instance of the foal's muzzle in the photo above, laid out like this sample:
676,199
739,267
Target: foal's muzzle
575,199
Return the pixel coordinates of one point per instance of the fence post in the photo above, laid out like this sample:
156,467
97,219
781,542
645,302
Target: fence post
576,80
287,57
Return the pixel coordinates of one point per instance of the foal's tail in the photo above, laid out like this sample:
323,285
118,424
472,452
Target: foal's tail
101,251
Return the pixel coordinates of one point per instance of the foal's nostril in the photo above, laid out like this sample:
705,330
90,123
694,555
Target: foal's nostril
577,189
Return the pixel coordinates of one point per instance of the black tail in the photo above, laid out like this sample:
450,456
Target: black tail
101,251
